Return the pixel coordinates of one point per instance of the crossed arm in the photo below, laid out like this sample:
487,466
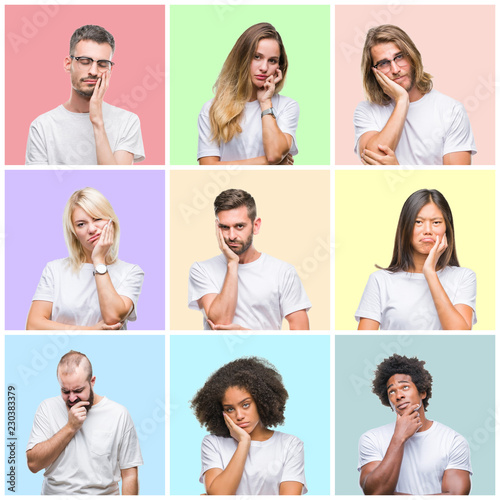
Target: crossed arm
130,481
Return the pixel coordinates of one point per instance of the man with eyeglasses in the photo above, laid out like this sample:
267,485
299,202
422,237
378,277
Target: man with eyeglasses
405,121
85,130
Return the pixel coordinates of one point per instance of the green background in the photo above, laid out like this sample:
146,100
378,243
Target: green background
463,397
201,38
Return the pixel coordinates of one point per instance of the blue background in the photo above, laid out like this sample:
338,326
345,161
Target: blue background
304,363
129,370
463,397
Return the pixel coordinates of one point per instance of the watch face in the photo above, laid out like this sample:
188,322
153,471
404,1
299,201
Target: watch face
101,268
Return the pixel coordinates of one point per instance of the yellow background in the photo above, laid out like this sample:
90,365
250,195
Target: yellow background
367,208
295,210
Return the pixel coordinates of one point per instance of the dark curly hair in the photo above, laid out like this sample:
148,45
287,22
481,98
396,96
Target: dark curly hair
406,366
257,376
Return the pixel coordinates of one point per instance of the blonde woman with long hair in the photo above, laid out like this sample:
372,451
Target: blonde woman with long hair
248,122
91,289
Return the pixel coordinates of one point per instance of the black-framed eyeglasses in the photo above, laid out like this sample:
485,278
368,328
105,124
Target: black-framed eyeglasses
86,62
385,65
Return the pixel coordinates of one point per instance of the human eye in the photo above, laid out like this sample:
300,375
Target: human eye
256,56
383,64
246,405
85,61
229,410
103,64
240,226
418,221
399,57
80,224
406,387
273,61
64,391
390,392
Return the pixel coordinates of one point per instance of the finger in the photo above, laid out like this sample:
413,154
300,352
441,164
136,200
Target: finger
211,324
279,76
386,149
80,404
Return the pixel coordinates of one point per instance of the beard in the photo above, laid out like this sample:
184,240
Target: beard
245,245
79,89
87,407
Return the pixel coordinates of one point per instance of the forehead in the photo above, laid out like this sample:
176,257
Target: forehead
384,51
431,210
234,395
400,378
229,217
269,47
93,49
80,214
74,380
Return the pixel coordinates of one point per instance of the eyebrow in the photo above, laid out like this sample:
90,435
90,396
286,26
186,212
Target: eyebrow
242,401
431,218
270,57
77,389
398,382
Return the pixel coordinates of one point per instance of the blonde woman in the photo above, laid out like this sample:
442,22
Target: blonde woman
248,122
91,289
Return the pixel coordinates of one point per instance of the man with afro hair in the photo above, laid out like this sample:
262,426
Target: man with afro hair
412,455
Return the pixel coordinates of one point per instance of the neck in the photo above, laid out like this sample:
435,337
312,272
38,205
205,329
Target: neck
414,94
418,262
253,97
97,399
77,103
250,255
426,423
260,433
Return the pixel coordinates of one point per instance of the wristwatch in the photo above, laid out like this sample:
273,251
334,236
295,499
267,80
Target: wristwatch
268,111
100,269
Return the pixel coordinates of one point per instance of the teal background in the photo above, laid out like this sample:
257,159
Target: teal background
304,363
129,370
201,37
463,397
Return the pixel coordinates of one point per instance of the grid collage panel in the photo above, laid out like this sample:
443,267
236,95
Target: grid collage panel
329,216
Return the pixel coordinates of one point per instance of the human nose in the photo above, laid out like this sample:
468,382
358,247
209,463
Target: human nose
231,233
72,397
239,414
427,227
263,65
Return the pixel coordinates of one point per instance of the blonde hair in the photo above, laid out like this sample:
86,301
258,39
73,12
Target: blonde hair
387,33
96,206
233,87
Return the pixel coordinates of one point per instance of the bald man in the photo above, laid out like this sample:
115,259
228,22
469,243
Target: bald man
85,442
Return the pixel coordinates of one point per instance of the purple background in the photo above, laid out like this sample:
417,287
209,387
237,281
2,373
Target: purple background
34,205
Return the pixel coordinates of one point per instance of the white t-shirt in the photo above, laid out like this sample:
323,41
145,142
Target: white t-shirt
426,456
74,295
403,301
249,143
61,137
91,462
435,126
268,290
268,464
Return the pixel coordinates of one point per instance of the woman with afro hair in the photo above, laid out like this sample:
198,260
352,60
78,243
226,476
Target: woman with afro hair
241,455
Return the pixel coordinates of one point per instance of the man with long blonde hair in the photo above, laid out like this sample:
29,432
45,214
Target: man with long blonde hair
405,120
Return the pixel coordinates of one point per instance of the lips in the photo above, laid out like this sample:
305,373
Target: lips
244,424
427,240
261,77
402,406
95,237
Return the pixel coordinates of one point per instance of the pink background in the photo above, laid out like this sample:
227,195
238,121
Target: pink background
36,43
457,47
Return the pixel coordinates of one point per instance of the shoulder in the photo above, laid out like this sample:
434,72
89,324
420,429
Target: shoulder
125,267
48,116
117,409
281,102
205,109
368,107
459,273
118,113
214,262
377,432
447,431
50,404
58,264
443,101
276,263
288,439
382,276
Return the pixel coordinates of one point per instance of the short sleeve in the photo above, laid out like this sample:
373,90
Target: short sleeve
200,283
459,136
206,146
45,288
210,456
459,455
466,292
40,431
288,121
131,138
293,297
368,451
36,149
129,454
131,286
364,121
293,469
370,306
